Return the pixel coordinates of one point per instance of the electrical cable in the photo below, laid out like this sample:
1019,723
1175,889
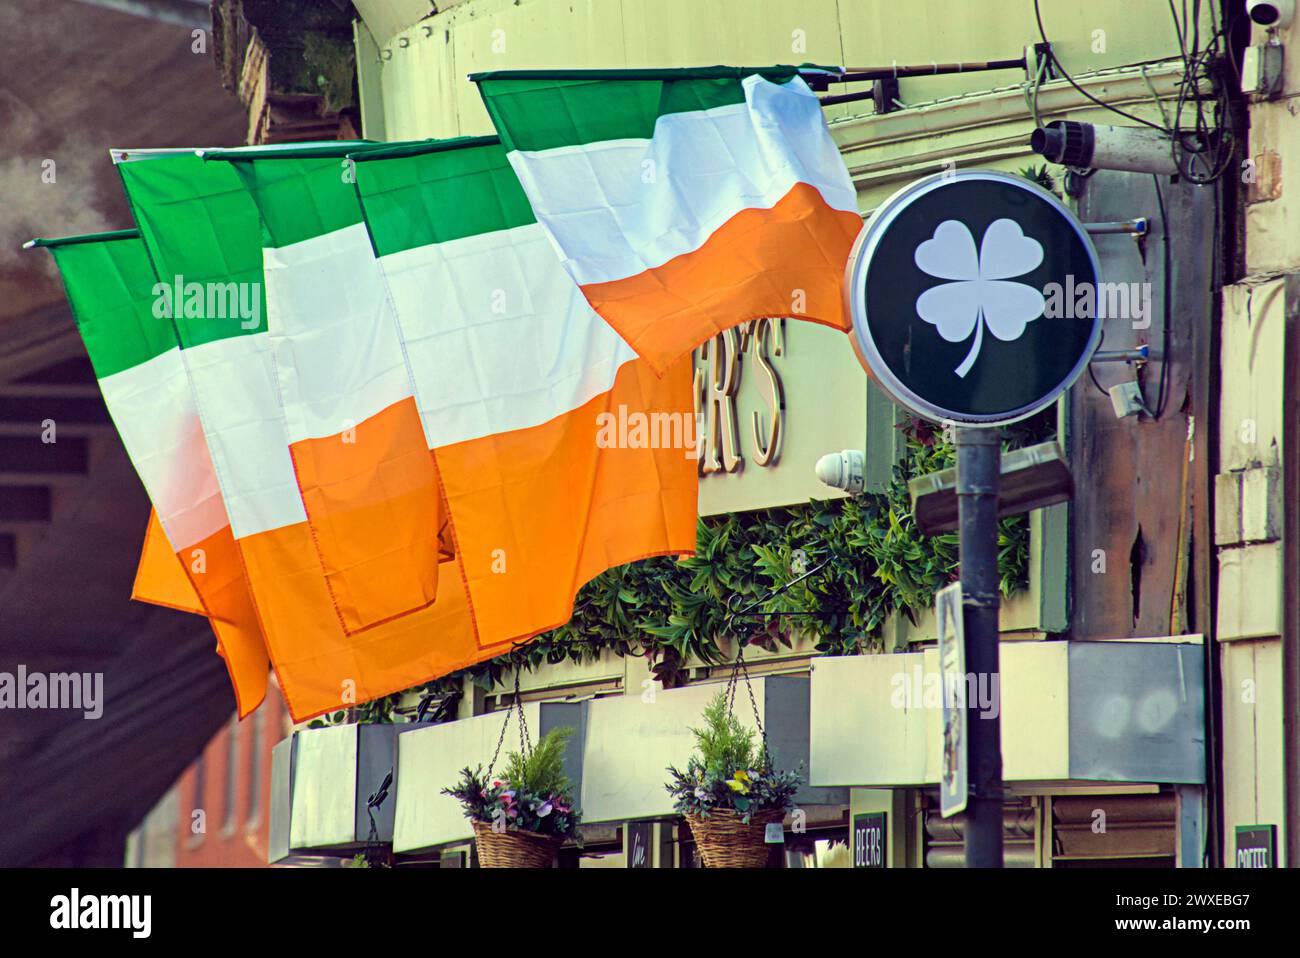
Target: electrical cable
1069,79
1031,89
1200,145
1092,372
1178,29
1164,335
1212,141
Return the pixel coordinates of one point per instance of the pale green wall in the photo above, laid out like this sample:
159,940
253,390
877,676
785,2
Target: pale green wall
826,411
426,93
423,92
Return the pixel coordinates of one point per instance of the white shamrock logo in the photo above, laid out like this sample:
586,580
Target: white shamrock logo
980,294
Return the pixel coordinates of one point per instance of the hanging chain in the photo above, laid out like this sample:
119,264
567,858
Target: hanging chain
500,738
524,747
738,671
730,691
753,702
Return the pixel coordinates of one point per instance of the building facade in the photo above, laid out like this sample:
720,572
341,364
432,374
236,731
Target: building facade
1150,691
217,814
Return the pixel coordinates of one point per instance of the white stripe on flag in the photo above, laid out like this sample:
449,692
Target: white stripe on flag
619,207
498,337
153,409
332,327
234,387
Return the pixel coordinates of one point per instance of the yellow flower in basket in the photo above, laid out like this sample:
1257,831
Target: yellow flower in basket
738,786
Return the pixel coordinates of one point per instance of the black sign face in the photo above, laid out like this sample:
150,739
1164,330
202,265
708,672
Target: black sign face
974,297
638,844
869,840
1256,846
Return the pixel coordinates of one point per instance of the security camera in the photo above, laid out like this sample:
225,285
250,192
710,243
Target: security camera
843,470
1271,13
1138,149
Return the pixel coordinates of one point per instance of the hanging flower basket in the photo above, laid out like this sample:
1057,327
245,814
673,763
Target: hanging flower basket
726,840
514,847
522,818
729,792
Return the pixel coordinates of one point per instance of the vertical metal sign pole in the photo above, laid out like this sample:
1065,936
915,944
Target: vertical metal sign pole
979,464
901,321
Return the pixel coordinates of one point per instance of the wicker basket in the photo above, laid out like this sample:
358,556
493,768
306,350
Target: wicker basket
514,847
727,842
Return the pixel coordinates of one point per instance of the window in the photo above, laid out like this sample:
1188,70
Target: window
197,825
232,776
255,750
200,779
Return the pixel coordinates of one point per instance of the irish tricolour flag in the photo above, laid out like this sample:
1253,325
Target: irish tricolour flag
368,484
424,437
111,291
523,390
683,202
334,520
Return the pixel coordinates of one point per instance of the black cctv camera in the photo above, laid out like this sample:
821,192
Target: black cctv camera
1271,13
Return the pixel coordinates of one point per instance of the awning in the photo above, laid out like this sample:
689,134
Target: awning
1113,711
1118,711
618,757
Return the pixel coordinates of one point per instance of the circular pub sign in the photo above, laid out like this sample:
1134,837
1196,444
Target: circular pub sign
973,297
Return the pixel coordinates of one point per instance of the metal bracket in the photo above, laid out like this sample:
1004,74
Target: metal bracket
1134,227
1139,355
894,72
381,793
1043,60
748,611
885,92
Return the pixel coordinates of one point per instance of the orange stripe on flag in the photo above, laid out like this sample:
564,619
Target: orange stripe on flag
322,668
371,495
785,261
208,579
540,511
160,578
559,507
216,571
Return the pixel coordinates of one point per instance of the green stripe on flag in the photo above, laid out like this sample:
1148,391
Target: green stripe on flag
110,287
300,198
200,226
542,109
303,192
462,187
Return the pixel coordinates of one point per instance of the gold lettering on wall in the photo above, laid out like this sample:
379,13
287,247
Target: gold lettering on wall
721,380
765,450
717,383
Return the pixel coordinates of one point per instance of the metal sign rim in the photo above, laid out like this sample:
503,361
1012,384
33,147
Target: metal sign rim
864,346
